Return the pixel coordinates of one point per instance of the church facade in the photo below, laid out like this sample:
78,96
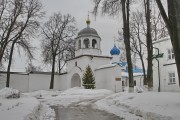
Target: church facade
88,52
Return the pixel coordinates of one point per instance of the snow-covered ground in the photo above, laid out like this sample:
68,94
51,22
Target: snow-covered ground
149,105
23,107
71,96
130,106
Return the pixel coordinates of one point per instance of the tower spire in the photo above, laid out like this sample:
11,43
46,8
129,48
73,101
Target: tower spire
88,20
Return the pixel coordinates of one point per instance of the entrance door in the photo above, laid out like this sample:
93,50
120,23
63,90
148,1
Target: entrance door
76,80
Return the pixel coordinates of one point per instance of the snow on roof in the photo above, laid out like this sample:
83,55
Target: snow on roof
136,69
161,40
122,64
125,74
106,66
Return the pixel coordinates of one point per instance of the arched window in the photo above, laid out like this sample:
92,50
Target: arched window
94,43
79,44
86,43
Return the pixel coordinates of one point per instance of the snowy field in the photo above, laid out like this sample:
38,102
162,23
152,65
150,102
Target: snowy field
130,106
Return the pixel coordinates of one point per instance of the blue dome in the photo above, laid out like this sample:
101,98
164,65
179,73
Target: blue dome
115,51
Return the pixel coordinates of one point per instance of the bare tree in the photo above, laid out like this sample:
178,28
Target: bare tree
121,46
31,68
69,53
114,7
159,29
19,21
137,36
173,25
57,33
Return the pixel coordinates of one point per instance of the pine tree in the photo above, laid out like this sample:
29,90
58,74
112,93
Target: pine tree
88,79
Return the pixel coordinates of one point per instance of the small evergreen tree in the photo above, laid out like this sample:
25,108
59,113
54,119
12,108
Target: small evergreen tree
88,78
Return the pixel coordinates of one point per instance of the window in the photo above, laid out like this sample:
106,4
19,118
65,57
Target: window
134,82
76,63
172,77
79,44
123,83
170,54
86,43
94,42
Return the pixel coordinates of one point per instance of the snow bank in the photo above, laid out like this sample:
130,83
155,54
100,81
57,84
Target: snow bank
22,108
18,109
147,105
9,93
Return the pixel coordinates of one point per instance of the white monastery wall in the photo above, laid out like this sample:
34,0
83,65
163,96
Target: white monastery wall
32,82
166,66
17,81
61,82
139,80
106,78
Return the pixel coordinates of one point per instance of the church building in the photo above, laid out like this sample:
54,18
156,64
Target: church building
88,52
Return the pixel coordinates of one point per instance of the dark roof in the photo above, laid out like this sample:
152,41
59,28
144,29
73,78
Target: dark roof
37,72
90,56
88,31
33,72
21,73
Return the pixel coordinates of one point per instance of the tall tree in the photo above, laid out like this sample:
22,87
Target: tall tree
149,44
19,22
88,78
57,35
113,7
173,25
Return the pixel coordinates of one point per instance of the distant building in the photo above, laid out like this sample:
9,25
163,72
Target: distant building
167,66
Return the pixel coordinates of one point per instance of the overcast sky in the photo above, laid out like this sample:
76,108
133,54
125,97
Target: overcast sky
107,27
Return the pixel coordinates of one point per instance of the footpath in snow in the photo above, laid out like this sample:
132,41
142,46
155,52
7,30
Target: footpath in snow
71,96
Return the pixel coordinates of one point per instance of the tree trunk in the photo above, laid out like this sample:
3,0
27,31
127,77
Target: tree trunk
9,65
52,72
144,70
174,18
125,10
149,46
2,53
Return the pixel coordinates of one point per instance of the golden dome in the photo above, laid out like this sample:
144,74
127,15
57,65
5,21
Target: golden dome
88,21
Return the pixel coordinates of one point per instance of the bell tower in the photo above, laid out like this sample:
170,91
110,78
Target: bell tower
88,42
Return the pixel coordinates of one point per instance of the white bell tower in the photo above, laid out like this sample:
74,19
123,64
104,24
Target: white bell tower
88,42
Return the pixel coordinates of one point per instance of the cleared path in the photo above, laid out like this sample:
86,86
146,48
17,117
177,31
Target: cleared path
82,113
